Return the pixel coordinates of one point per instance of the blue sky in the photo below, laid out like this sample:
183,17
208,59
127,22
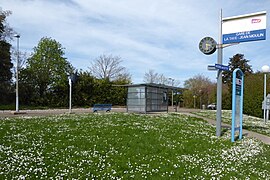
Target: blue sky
162,35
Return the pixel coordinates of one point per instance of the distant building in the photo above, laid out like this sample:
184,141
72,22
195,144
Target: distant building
144,98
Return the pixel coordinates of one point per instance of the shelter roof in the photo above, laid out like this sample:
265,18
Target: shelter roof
152,85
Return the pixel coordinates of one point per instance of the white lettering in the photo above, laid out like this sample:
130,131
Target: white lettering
251,36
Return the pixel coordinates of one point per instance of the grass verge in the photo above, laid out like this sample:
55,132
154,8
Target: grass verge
249,122
125,146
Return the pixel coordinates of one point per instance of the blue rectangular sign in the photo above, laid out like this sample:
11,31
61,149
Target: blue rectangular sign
222,67
237,104
244,36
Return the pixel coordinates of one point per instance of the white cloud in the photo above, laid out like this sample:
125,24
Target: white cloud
157,34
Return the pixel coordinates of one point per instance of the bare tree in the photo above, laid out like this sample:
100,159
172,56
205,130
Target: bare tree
22,58
201,88
151,77
108,66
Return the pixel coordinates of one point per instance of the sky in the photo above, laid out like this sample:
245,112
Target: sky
159,35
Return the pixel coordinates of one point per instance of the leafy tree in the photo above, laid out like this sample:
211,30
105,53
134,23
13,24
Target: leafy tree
253,94
6,31
83,89
108,67
5,61
237,61
5,72
47,70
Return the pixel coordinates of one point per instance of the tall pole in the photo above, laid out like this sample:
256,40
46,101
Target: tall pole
172,89
17,73
265,69
70,93
172,92
264,97
219,80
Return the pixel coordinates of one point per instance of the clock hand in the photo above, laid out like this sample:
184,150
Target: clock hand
207,46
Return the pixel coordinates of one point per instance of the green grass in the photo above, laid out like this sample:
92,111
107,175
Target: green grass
125,146
249,122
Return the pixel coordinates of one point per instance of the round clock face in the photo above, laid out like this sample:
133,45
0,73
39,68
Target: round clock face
207,45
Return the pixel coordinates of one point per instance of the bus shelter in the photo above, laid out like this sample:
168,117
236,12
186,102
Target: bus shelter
145,98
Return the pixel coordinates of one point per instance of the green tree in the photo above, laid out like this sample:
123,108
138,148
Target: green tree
237,61
5,61
5,72
253,94
83,89
47,71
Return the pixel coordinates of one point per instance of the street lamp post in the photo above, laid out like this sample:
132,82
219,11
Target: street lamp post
265,70
17,73
172,89
200,91
194,103
70,93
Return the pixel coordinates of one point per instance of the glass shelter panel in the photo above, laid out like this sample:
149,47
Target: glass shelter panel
156,99
136,99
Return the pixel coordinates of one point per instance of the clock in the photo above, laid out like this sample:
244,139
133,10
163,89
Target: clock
207,45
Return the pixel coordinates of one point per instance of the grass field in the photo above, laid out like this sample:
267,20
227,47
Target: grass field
249,122
125,146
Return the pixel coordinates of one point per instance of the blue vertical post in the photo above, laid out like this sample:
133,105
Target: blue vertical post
237,107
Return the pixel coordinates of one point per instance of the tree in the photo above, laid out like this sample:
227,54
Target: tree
83,89
47,70
108,67
5,72
201,88
6,31
5,60
253,94
152,77
237,61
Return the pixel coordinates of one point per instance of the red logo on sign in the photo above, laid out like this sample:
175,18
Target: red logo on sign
256,21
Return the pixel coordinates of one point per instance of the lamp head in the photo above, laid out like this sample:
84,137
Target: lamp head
265,69
17,36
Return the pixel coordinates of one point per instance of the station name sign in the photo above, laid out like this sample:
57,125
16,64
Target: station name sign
244,28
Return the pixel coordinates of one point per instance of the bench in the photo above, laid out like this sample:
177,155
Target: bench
102,107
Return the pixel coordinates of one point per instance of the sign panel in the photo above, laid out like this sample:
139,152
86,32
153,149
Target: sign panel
222,67
237,103
211,68
244,28
238,87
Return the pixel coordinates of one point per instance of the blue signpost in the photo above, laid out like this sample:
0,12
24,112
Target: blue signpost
237,103
222,67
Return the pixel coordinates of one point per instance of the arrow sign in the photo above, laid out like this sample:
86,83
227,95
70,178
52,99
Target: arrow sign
222,67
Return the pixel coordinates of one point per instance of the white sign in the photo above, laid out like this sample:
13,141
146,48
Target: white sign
238,81
244,28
